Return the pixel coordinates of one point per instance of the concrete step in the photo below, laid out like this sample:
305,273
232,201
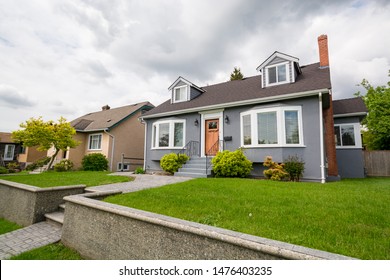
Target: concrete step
62,207
55,217
192,170
189,174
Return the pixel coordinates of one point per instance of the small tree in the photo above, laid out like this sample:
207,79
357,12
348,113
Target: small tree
377,100
45,135
236,74
275,171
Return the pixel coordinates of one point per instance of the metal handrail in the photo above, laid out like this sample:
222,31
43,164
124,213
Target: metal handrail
190,149
212,151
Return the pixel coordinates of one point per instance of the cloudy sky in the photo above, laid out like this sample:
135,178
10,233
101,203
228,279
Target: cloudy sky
70,57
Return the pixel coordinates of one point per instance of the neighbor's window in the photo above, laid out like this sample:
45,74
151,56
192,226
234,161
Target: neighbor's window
168,134
345,135
9,152
279,126
95,142
180,94
277,74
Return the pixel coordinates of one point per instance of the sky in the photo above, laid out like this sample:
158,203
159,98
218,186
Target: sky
71,57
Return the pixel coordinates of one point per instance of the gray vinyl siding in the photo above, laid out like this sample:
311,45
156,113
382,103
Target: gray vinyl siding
194,93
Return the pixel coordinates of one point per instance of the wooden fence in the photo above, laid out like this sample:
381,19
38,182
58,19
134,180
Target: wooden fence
377,163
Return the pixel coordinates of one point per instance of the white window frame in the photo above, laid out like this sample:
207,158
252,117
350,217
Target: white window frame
356,133
174,100
276,65
89,141
281,127
171,144
12,147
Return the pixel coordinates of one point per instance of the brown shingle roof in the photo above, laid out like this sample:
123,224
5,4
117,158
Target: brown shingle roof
312,78
108,118
354,106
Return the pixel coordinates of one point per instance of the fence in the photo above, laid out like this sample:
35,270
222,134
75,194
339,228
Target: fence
377,163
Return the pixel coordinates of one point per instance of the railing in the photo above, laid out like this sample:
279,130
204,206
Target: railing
130,162
216,147
190,149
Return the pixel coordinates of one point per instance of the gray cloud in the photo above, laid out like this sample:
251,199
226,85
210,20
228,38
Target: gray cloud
10,97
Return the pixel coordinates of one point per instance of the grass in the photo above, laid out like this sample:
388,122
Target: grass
56,251
350,217
55,179
7,226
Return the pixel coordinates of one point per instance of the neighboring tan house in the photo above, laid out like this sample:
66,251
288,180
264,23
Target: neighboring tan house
112,132
285,111
348,114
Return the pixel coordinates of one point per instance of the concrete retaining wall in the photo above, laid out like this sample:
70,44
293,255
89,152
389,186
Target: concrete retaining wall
26,205
100,230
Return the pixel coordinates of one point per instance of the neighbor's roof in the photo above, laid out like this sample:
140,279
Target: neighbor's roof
349,107
107,119
232,93
5,137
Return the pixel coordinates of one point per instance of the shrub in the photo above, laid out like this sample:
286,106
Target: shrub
172,162
275,170
139,170
63,165
13,167
294,166
38,163
95,162
231,164
3,170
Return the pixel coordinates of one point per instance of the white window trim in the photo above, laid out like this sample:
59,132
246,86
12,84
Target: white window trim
8,146
171,132
281,125
276,65
174,94
89,141
356,132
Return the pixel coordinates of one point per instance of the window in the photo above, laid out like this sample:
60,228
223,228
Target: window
281,126
95,142
180,94
347,135
168,134
126,166
9,152
277,74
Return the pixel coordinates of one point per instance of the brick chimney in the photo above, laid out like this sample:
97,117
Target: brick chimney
105,108
330,144
323,50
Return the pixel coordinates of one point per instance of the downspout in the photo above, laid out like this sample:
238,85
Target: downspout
146,130
322,166
112,148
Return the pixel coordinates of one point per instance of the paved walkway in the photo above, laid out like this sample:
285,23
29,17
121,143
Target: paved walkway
28,238
44,233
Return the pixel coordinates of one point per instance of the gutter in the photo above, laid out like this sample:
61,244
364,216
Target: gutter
113,147
357,114
322,151
238,103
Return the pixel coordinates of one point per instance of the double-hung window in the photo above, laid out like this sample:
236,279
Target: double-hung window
168,134
347,135
9,152
95,142
272,127
180,94
277,74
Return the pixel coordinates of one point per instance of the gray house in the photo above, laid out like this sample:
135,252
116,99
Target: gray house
286,110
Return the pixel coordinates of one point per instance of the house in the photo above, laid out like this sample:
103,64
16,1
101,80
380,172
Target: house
115,132
9,149
286,110
348,114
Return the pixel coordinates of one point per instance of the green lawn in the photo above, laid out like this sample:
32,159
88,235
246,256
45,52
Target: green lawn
7,226
54,179
56,251
350,217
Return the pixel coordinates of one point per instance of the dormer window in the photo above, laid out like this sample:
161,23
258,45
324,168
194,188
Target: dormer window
180,94
277,74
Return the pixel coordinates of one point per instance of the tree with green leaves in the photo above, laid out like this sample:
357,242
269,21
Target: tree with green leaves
236,74
46,135
377,100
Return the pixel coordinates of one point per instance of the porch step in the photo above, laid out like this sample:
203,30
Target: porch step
195,168
55,217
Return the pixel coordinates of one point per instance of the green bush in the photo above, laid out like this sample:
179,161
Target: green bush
63,165
139,170
294,166
172,162
231,164
13,167
3,170
38,163
95,162
275,170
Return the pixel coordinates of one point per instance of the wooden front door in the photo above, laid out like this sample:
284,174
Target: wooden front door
211,137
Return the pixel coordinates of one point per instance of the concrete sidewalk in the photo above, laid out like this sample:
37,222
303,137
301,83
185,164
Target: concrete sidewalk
37,235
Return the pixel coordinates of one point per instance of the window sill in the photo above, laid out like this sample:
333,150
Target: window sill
168,148
272,146
94,150
348,147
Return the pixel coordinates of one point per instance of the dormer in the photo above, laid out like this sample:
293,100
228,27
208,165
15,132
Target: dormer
279,69
183,90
